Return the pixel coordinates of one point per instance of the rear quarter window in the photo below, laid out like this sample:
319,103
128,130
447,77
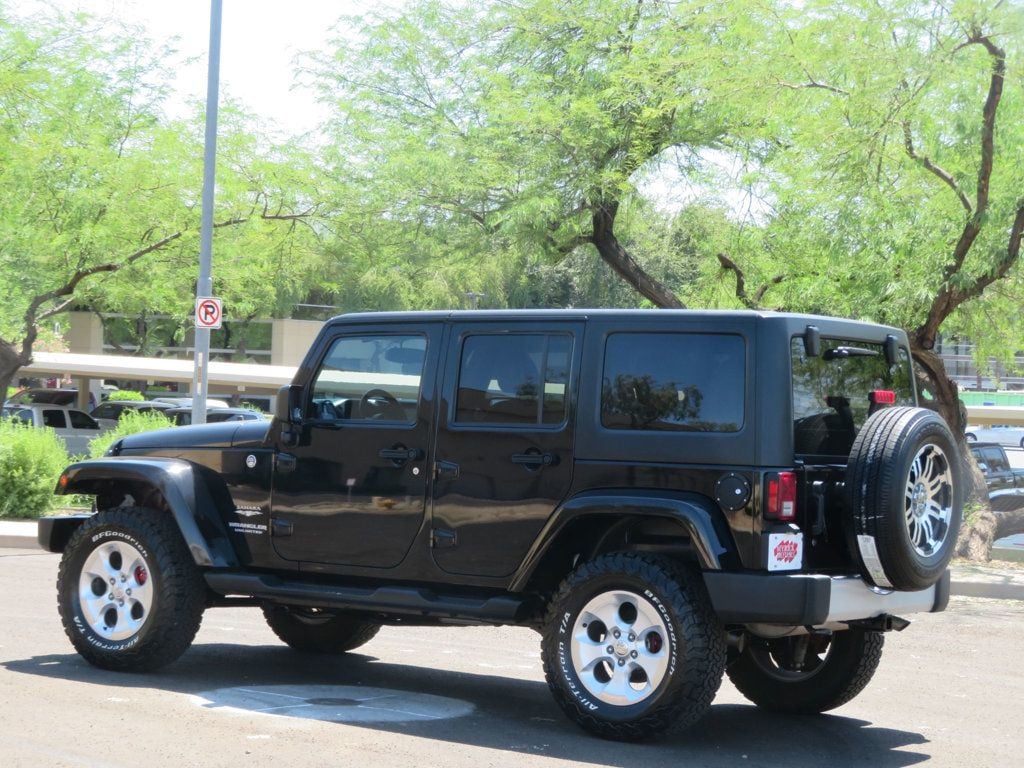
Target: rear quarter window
673,382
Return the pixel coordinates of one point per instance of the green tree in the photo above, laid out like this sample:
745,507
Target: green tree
504,131
100,204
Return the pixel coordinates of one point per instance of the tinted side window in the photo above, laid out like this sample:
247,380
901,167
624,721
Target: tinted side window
54,419
371,377
673,382
996,460
81,420
513,379
106,411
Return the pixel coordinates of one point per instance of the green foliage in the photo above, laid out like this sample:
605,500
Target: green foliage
130,423
31,460
126,394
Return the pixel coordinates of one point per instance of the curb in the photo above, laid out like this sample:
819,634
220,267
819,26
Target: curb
966,581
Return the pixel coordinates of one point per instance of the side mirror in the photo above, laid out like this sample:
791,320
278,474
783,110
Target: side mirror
983,467
288,408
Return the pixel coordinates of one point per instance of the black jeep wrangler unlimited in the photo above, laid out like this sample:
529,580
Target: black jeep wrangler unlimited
665,496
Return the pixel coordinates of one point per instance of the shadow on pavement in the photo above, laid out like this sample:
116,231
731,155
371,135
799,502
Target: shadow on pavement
510,714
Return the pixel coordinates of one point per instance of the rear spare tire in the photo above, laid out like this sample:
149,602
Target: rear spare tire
905,498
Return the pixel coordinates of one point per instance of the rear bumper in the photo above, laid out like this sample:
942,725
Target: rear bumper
813,599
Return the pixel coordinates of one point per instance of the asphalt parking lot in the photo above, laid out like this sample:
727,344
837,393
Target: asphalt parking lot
947,693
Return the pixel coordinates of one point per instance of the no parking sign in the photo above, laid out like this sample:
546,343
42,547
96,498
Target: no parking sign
209,312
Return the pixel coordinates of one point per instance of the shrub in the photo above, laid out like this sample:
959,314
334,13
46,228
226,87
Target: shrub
126,394
129,424
31,460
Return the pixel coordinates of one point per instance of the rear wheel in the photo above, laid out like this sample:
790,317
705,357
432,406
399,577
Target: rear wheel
316,631
806,674
632,648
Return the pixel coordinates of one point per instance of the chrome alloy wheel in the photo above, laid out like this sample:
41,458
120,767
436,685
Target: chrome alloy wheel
929,500
115,590
620,648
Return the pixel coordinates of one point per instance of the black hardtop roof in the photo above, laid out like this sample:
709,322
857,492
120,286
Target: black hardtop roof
794,320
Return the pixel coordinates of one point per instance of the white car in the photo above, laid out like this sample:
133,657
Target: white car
74,427
1002,434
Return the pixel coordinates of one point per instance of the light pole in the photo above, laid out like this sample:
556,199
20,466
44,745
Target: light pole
204,288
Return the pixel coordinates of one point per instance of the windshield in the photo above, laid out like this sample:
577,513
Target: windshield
831,392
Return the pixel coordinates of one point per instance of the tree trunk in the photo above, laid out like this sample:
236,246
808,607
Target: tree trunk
979,532
10,361
625,266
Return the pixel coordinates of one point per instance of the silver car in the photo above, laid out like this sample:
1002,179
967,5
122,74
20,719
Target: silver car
72,426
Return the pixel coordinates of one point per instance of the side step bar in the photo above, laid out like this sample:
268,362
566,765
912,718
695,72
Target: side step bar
412,602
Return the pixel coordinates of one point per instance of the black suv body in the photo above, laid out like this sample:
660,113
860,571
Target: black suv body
661,494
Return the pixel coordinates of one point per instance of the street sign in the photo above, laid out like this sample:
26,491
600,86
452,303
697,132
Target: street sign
209,312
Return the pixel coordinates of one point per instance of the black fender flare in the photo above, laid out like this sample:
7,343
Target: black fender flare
696,514
183,488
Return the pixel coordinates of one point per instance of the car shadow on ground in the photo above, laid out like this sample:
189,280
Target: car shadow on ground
507,714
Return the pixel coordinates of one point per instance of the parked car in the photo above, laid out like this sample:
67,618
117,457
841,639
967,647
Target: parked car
183,416
48,396
1002,434
74,427
1005,484
110,412
186,402
665,496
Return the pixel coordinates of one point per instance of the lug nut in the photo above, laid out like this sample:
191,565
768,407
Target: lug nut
120,602
632,637
112,580
110,596
123,578
633,654
622,662
616,633
610,648
128,591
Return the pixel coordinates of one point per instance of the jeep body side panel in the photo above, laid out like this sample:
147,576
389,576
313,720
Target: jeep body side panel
180,487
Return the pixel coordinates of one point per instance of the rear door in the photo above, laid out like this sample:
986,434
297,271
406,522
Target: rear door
504,454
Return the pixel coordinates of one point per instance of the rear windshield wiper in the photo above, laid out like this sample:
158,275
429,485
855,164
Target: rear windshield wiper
843,352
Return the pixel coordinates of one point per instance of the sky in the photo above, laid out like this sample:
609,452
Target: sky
259,41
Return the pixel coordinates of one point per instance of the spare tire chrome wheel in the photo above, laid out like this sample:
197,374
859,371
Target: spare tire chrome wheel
905,498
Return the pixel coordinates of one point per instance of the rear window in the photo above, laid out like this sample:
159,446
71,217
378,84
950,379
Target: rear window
831,392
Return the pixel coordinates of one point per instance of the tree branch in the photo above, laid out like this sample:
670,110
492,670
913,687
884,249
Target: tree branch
943,175
741,283
949,298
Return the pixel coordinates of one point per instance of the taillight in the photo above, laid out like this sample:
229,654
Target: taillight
780,496
882,397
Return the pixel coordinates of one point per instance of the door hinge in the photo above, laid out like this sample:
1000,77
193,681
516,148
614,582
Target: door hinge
441,538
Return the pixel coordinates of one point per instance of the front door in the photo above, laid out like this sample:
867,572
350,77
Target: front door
352,492
504,452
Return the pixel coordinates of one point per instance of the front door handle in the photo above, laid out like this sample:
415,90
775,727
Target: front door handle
534,459
400,454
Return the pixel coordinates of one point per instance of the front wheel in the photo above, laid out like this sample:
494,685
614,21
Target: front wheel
632,648
806,674
129,594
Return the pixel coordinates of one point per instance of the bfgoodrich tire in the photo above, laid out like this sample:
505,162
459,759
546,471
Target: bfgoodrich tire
129,594
806,674
632,648
905,498
314,631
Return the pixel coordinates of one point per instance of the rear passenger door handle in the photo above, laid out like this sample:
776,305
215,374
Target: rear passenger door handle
534,460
